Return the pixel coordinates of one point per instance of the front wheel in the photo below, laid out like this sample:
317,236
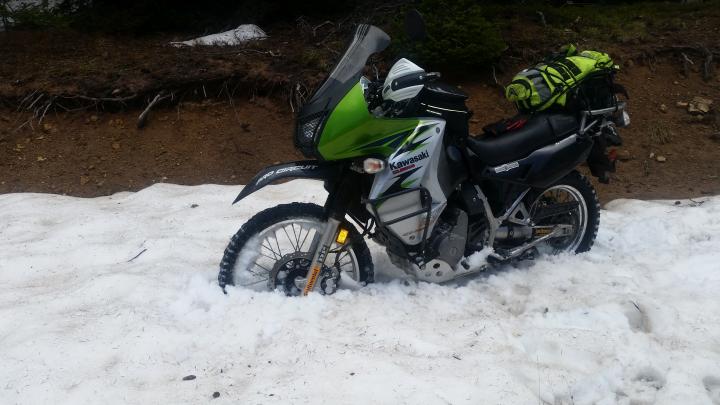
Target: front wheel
273,250
571,202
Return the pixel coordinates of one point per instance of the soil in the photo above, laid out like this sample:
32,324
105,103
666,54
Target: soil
246,121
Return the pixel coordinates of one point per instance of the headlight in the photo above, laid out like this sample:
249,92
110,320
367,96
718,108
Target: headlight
307,130
306,133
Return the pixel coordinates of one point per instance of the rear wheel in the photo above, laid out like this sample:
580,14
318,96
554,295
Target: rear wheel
571,202
274,249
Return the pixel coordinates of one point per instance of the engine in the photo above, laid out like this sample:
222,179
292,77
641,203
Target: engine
444,249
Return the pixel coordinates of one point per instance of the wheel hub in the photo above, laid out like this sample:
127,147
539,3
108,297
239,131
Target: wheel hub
290,275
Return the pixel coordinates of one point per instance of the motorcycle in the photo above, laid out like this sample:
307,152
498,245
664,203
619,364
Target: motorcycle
401,169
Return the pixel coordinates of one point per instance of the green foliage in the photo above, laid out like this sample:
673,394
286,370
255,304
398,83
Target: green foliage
602,21
31,16
459,36
148,16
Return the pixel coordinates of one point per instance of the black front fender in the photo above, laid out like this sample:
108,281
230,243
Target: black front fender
308,169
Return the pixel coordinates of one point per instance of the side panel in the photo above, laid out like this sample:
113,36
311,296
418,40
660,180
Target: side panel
544,166
309,169
416,163
351,131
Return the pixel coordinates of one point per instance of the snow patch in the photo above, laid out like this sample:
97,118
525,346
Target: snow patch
243,33
635,320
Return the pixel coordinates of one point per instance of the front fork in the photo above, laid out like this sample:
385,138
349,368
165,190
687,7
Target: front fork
326,240
340,196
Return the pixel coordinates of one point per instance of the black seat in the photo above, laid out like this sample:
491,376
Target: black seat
538,131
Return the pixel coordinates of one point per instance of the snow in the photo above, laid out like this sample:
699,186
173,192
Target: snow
636,320
243,33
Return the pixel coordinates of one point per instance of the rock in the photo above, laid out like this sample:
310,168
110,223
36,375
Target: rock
194,206
663,108
41,159
676,82
189,377
699,105
681,104
661,158
84,180
47,127
116,146
623,155
652,155
93,118
216,394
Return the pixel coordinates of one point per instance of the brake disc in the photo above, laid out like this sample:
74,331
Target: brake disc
290,272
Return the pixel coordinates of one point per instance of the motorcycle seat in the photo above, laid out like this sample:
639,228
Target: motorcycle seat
540,130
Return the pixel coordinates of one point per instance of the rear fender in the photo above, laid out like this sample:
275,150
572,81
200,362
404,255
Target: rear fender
306,169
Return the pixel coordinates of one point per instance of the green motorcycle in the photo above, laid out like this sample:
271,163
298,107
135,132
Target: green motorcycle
400,168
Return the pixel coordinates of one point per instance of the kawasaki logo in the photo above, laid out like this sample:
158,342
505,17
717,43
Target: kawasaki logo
400,164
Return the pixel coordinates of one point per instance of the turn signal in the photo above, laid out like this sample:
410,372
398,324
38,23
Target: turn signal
372,165
342,236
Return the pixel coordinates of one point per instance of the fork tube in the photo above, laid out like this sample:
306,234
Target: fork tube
326,240
341,192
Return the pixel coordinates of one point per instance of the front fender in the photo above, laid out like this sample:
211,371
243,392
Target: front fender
308,169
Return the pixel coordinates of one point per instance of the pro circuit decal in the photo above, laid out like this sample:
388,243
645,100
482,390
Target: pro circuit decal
284,170
409,163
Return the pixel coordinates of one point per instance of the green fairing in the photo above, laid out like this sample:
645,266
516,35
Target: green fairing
351,131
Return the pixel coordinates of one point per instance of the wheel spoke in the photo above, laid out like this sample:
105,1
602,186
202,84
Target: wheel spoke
254,283
290,239
262,267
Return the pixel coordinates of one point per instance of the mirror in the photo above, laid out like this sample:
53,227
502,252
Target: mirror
415,25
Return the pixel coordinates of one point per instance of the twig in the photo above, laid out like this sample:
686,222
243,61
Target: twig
137,255
26,99
317,27
47,107
36,100
99,99
142,119
542,18
686,64
707,65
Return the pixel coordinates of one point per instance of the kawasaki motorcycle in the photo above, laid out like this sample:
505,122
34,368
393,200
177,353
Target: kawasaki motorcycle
401,169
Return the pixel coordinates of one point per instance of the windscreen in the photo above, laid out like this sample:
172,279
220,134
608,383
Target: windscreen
368,40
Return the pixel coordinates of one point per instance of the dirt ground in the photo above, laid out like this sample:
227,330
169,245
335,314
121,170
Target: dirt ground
228,136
